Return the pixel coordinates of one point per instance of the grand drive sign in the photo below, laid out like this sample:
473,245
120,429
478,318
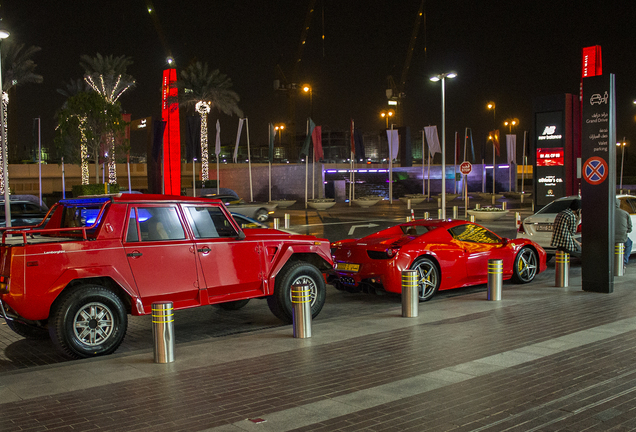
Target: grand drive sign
598,185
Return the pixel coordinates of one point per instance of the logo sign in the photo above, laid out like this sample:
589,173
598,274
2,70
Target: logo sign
465,168
595,170
550,156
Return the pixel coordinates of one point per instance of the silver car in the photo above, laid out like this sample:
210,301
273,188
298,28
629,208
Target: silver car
538,227
255,210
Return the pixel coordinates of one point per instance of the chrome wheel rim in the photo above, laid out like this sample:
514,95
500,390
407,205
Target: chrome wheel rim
93,324
313,288
426,279
527,265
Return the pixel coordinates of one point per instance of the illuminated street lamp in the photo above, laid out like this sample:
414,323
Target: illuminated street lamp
492,106
279,128
622,144
386,115
511,123
307,89
3,150
436,78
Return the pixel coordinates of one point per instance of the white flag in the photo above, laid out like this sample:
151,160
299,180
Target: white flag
394,142
218,139
238,138
511,146
432,139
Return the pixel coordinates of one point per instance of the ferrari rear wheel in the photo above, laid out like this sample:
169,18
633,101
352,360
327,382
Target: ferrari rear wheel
428,277
525,267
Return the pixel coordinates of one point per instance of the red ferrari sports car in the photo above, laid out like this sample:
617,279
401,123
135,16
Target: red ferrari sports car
446,253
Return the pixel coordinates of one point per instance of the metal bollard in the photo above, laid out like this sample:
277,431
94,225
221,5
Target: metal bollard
163,331
301,301
276,223
287,220
455,211
408,218
495,279
619,257
408,204
477,206
504,205
410,294
562,269
493,199
518,220
439,213
426,215
472,218
439,202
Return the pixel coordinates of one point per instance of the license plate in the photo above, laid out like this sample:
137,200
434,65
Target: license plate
544,227
347,267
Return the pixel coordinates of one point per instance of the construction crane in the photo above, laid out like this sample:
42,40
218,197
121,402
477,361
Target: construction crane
291,87
395,93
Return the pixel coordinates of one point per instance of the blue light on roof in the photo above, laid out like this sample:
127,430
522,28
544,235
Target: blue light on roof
84,201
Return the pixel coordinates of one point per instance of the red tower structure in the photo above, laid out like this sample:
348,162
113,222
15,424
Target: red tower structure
172,135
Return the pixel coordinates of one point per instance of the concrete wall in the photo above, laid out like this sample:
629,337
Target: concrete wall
288,180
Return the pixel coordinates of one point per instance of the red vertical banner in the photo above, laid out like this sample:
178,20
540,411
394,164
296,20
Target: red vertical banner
171,136
591,63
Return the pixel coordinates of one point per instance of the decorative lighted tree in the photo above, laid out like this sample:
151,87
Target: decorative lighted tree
17,68
73,88
85,122
107,76
202,90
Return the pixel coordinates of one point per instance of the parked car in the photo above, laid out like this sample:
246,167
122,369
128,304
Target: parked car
255,210
99,259
249,223
446,254
23,213
538,227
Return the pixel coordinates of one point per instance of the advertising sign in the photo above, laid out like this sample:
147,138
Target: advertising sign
598,188
550,169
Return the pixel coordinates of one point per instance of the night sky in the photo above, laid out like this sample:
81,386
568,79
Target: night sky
507,52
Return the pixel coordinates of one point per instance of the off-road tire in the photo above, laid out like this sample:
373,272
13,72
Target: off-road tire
300,272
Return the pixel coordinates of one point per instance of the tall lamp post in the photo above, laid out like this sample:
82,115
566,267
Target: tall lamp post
387,115
492,107
307,89
622,144
5,164
436,78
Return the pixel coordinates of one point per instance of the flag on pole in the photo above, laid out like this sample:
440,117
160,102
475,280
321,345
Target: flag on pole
272,137
393,138
316,138
238,139
305,149
511,147
359,153
432,139
469,133
217,149
352,138
494,137
458,149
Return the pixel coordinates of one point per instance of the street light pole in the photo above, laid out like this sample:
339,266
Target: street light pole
436,78
5,164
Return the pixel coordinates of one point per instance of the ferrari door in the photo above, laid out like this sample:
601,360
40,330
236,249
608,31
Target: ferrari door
479,246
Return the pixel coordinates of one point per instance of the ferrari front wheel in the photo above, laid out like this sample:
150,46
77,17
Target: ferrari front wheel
428,277
525,267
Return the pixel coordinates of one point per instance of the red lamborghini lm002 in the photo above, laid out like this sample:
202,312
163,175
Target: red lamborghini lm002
446,254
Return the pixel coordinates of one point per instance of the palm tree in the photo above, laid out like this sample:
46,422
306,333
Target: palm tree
107,76
17,68
202,90
73,88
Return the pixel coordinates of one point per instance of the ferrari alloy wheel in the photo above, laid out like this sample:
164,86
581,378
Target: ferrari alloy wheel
428,277
525,267
300,272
